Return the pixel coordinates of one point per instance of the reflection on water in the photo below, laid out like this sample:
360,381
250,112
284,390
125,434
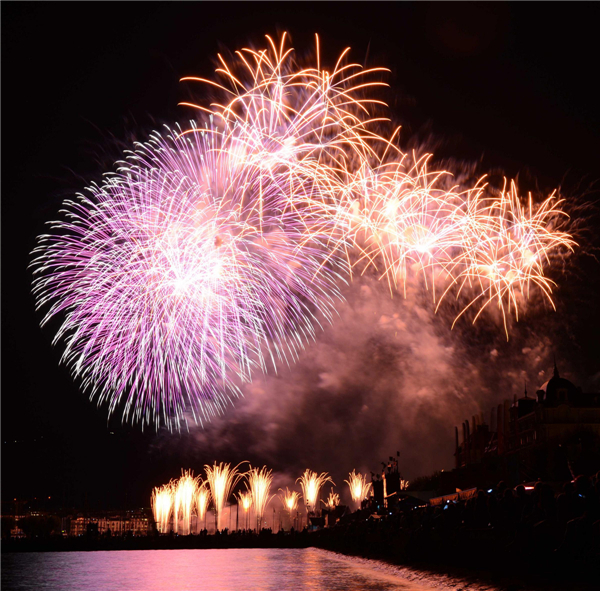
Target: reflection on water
205,570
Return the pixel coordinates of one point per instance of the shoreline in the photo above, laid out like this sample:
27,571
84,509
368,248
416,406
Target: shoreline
159,542
476,566
471,556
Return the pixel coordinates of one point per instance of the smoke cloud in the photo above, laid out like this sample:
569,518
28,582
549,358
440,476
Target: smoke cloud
388,375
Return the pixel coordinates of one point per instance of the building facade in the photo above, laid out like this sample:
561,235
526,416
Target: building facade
550,435
136,524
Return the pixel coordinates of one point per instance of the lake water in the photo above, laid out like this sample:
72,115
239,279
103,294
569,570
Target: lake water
202,570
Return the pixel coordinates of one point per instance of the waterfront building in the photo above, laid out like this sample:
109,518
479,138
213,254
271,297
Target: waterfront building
118,524
553,435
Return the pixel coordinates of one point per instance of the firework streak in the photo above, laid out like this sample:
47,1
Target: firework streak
218,250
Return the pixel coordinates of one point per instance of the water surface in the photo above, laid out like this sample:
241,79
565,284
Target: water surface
202,570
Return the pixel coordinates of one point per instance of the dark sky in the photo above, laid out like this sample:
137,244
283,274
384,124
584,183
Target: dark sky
511,85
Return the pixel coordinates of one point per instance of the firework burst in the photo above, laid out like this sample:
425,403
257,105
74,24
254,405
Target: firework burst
402,221
508,246
311,122
178,276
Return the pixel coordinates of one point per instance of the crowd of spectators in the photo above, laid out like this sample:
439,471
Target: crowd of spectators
539,520
502,523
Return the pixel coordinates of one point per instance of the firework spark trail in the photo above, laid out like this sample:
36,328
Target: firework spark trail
162,507
221,479
311,484
259,482
359,487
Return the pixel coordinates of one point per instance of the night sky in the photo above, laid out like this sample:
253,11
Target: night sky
509,86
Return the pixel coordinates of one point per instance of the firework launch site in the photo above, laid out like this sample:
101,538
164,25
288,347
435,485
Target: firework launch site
509,538
521,506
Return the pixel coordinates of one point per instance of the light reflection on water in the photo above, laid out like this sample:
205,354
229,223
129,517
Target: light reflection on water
202,570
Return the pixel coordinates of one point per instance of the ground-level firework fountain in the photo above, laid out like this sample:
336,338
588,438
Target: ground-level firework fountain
184,500
202,502
259,482
311,484
162,504
245,500
359,488
333,500
290,500
221,479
